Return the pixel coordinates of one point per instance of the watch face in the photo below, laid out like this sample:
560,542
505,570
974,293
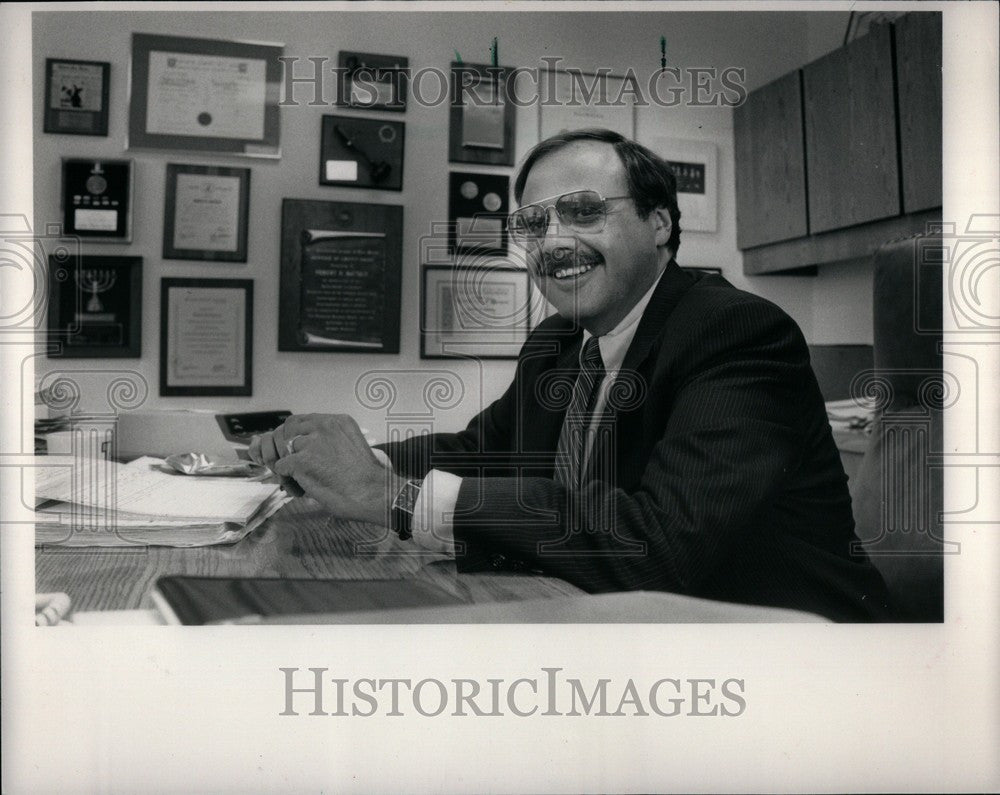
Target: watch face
407,497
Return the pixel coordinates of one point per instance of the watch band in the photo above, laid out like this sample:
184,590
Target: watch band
402,508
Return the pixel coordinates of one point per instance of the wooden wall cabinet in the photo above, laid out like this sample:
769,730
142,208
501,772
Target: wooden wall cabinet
770,159
853,161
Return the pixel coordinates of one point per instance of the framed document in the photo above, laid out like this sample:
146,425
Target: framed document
695,165
206,213
477,212
481,128
97,199
340,277
361,153
76,97
206,337
372,82
480,311
205,95
95,307
574,100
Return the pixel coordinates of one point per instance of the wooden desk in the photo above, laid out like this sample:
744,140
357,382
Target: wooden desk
298,541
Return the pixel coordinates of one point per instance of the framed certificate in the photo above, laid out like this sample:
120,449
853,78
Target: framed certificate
695,165
206,213
95,307
97,199
475,311
574,100
205,95
481,125
206,337
341,268
361,153
76,97
372,82
477,212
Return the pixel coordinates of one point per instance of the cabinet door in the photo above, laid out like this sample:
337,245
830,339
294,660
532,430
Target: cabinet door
850,123
918,67
770,167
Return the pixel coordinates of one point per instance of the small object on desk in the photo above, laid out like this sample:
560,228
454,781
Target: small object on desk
51,609
253,600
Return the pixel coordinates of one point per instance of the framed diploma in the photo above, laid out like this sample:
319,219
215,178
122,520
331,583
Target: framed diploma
340,280
481,128
372,82
76,97
477,212
95,307
205,95
575,100
361,153
97,199
481,311
695,165
206,213
206,337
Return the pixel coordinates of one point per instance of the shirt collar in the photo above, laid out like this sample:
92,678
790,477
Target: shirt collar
614,345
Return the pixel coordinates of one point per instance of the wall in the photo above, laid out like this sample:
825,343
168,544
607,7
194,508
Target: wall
324,382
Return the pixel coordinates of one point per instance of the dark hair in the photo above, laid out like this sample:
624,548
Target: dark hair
651,181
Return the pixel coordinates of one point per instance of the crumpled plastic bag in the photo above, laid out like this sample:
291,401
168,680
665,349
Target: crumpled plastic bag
214,466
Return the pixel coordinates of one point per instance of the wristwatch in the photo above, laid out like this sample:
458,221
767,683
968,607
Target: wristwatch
402,508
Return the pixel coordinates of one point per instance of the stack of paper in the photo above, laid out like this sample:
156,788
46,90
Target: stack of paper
92,502
851,414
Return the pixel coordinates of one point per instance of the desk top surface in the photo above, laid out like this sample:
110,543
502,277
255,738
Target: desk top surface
299,541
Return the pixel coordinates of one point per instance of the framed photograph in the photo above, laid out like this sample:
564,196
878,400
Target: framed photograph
76,97
695,164
481,311
361,153
205,95
206,337
373,82
95,307
573,100
97,199
481,125
341,266
477,212
206,213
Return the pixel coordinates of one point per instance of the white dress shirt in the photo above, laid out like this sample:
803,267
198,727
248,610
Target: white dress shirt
433,513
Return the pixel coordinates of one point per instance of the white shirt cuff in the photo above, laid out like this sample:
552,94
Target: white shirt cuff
434,512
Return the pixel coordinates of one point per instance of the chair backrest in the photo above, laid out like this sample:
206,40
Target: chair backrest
898,501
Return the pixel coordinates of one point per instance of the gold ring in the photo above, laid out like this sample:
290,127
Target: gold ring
290,444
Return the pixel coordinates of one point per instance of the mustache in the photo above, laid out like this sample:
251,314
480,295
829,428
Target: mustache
548,262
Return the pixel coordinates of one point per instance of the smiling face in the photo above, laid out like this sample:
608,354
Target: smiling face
594,278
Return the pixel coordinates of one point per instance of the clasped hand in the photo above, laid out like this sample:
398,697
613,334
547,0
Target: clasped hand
329,457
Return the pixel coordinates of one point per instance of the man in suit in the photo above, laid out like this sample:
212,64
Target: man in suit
664,431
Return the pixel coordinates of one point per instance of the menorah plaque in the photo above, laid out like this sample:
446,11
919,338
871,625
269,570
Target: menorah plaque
95,307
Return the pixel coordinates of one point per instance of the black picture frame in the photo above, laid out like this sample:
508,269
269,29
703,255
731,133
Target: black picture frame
364,152
475,88
478,204
341,277
182,119
95,307
76,97
238,381
494,311
96,199
366,77
205,192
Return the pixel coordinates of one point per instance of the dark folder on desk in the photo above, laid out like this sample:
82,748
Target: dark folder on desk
206,600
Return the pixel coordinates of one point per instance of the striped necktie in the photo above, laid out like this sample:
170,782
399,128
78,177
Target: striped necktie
573,438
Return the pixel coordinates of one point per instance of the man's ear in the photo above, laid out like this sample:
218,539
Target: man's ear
663,226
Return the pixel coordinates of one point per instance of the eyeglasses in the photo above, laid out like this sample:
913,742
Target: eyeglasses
579,210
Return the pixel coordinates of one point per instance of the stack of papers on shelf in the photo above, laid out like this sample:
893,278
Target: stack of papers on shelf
851,414
92,502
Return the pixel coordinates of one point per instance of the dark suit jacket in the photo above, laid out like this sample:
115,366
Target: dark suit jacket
715,473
